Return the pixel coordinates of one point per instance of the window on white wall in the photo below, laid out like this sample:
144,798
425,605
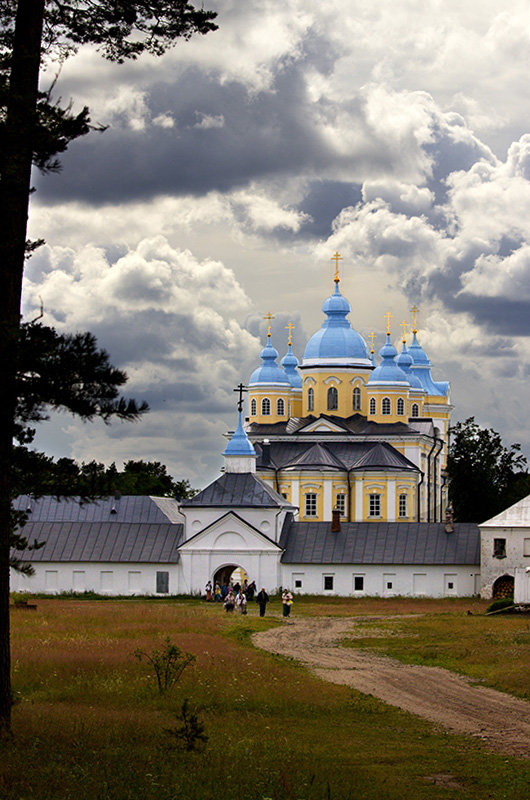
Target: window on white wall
499,548
374,507
328,583
358,583
162,582
310,504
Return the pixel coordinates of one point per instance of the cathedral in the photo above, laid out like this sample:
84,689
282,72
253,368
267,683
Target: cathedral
338,431
333,484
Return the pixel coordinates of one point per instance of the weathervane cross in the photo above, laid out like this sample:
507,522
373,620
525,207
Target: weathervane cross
405,325
336,258
240,389
388,316
371,336
291,328
268,317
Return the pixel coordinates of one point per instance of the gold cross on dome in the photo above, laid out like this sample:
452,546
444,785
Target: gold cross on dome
404,325
371,336
269,316
388,316
336,258
414,311
291,328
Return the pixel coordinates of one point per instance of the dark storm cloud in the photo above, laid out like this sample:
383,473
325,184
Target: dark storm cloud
262,135
323,202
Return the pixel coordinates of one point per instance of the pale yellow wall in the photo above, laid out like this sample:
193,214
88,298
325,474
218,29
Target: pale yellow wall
393,395
312,486
340,487
344,382
408,488
296,404
273,396
376,486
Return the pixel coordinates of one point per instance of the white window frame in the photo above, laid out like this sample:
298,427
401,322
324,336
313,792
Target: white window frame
356,398
333,396
340,503
374,504
310,504
403,505
373,406
386,407
415,410
363,579
280,404
400,407
253,407
265,407
310,399
328,577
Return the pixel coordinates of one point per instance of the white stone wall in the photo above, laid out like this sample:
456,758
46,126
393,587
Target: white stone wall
421,581
492,567
103,578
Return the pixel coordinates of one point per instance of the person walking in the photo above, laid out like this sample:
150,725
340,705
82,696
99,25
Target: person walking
208,591
287,601
241,602
262,598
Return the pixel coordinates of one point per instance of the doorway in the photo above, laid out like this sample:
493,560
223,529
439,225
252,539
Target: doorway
230,573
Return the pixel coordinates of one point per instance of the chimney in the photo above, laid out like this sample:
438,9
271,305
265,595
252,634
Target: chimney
449,519
335,521
265,453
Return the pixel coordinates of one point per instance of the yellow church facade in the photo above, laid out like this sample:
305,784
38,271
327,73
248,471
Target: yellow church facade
340,431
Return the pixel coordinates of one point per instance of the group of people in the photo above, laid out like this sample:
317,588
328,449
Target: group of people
235,597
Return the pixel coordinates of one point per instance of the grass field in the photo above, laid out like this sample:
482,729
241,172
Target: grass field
89,722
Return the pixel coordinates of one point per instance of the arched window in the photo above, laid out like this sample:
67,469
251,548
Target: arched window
333,398
266,407
400,407
356,399
372,405
253,407
280,407
385,406
310,399
415,411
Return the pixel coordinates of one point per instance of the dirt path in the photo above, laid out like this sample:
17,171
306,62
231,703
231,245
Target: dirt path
501,721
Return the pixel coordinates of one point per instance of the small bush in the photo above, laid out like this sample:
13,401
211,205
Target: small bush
190,734
498,605
168,663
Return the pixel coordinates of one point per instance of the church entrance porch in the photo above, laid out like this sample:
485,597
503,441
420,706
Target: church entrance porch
231,573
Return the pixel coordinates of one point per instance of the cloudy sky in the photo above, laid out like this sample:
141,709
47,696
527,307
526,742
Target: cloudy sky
397,132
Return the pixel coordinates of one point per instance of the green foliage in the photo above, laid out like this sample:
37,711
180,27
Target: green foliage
190,734
168,663
484,476
501,603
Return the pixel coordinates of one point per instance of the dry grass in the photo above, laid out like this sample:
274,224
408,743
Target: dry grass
89,723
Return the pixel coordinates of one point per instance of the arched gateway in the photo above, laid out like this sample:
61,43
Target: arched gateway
233,573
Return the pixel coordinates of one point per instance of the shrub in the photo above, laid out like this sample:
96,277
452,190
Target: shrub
501,603
191,733
168,663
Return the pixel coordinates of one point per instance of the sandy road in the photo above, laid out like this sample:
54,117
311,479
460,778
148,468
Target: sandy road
452,701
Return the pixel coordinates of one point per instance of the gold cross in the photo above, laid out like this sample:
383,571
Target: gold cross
291,327
414,311
388,316
336,258
371,336
404,325
269,316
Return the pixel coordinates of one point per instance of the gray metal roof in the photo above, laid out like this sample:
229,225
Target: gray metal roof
380,543
132,508
334,455
356,424
234,489
104,541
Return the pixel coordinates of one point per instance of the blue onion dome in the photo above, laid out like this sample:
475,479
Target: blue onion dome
336,342
388,370
290,362
239,444
404,361
421,367
269,371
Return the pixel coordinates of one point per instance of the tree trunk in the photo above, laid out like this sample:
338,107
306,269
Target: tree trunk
14,202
